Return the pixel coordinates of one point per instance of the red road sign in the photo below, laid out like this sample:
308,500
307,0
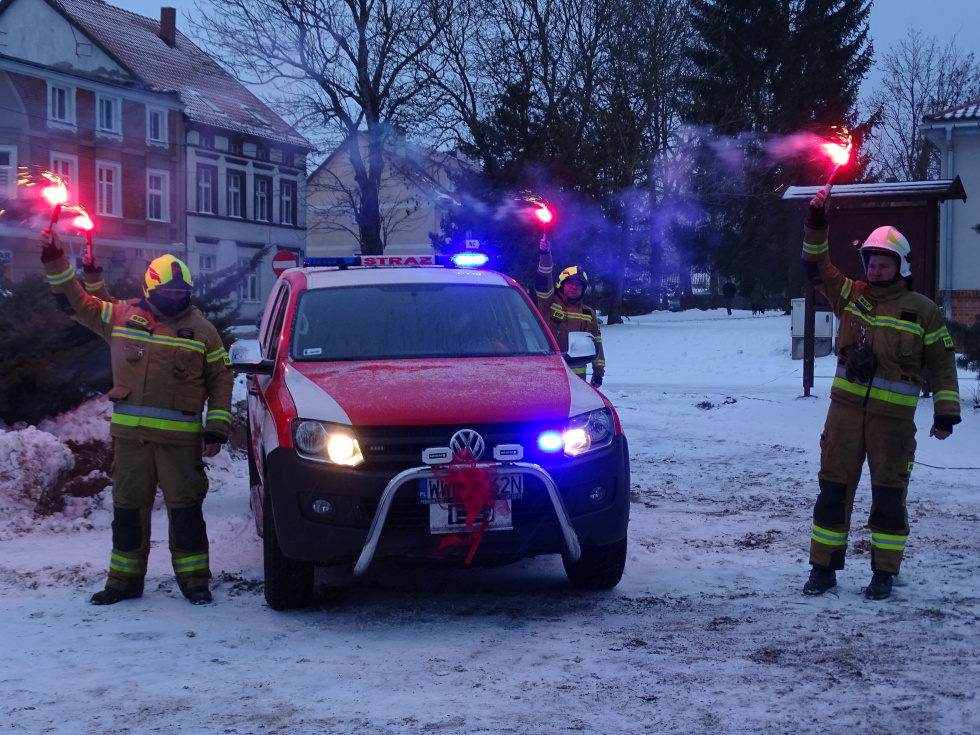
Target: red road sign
283,260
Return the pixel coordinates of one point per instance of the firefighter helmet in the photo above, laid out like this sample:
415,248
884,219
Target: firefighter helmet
167,273
573,273
888,240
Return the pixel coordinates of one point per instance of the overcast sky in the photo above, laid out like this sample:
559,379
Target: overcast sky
890,21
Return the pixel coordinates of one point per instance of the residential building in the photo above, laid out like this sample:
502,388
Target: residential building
166,150
956,133
417,190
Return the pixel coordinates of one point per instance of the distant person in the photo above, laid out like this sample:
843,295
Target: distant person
563,309
889,336
167,361
728,291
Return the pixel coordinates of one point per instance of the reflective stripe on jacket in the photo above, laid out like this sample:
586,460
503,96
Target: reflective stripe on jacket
905,332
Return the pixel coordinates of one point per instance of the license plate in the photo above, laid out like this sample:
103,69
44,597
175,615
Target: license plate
452,519
433,490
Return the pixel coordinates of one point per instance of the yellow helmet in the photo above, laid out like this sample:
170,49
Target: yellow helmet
168,273
573,273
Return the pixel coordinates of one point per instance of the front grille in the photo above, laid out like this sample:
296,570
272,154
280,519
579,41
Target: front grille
400,447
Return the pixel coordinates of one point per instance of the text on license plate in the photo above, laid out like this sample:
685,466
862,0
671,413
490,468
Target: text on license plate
433,490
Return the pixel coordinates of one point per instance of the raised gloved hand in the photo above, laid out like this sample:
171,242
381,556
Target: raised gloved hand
90,263
50,245
596,381
818,211
544,246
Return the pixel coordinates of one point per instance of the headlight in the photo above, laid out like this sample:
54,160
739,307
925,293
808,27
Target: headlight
589,432
327,443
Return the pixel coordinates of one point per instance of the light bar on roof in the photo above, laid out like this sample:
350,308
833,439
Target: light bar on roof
474,260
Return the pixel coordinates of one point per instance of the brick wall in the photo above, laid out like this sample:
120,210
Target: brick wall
966,305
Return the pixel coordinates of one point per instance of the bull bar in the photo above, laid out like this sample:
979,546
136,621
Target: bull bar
502,468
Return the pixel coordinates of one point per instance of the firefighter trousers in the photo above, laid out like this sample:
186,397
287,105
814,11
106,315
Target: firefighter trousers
849,437
139,467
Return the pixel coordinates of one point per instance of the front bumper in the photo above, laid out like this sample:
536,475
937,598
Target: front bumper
378,514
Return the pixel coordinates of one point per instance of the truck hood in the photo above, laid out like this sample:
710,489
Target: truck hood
434,392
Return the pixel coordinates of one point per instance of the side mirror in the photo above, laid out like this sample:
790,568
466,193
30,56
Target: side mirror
246,357
582,349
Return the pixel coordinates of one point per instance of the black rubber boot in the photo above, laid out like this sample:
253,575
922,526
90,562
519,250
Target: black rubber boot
112,595
821,579
196,595
880,587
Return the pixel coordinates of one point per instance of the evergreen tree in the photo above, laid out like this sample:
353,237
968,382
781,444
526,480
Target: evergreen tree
764,69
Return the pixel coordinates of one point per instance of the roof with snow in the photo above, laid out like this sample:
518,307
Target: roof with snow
210,94
969,111
942,189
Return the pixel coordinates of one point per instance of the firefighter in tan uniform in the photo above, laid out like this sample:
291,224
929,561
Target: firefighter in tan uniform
562,308
889,335
167,361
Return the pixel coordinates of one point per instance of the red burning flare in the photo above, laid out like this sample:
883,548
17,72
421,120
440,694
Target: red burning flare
82,221
543,214
56,193
839,154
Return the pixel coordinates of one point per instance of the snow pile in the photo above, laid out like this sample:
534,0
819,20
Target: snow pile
88,422
35,469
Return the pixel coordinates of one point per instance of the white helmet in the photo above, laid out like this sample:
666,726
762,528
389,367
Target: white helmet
888,240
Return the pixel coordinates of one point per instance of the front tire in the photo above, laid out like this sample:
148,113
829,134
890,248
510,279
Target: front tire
599,567
288,583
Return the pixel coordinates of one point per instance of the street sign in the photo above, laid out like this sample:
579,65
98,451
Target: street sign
283,260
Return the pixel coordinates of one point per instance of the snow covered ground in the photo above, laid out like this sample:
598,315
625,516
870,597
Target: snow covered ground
707,633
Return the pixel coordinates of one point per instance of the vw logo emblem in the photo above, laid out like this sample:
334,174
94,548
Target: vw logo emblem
467,439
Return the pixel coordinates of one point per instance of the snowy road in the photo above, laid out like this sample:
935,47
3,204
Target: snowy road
707,633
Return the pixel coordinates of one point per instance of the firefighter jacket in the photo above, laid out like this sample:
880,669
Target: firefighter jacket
163,369
562,317
904,330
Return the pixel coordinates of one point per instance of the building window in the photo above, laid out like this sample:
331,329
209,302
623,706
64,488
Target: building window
207,141
156,126
236,193
109,115
249,290
61,104
207,177
261,153
158,195
8,170
287,202
235,147
65,165
263,199
108,180
205,263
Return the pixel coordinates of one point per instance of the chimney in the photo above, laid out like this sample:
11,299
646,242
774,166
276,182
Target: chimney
168,26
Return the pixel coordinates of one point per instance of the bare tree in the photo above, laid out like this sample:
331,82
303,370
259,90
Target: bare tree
921,76
347,66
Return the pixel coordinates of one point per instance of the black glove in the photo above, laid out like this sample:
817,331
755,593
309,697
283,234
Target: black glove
596,381
818,215
211,437
943,424
861,366
50,247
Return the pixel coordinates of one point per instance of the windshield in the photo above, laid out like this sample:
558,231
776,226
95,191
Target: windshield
405,321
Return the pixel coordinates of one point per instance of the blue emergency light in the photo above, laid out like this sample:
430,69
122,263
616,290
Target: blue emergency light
550,441
470,260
